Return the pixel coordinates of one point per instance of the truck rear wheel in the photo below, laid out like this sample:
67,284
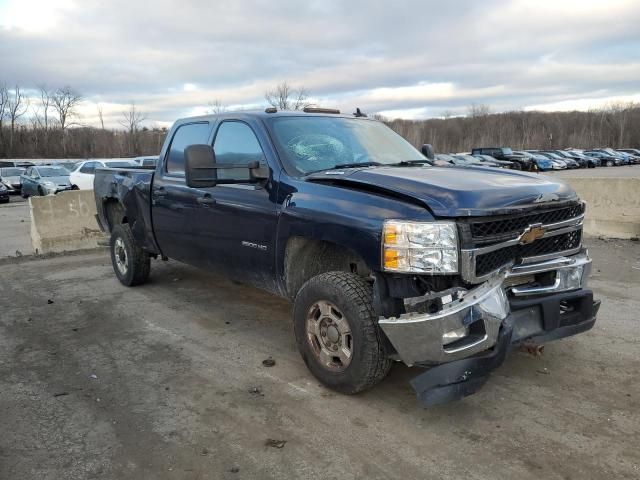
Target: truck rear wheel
337,332
130,263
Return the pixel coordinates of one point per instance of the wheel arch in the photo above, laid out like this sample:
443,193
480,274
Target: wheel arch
306,258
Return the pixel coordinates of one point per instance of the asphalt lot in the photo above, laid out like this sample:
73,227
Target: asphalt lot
626,171
14,228
165,381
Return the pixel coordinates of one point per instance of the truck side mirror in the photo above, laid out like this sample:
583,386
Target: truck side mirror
200,166
427,151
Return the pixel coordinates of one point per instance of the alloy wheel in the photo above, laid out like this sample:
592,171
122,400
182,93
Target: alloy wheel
120,253
329,335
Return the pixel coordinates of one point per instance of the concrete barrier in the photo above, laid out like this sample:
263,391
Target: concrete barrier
64,222
613,206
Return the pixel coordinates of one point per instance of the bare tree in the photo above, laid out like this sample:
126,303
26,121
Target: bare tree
46,99
618,112
17,106
4,100
285,97
478,110
132,120
217,106
65,102
41,116
100,115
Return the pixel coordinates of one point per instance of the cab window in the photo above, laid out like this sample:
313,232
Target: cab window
188,134
236,143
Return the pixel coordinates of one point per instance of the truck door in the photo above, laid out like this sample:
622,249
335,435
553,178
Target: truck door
235,224
172,202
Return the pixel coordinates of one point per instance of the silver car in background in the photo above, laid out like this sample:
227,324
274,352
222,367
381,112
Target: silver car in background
10,178
45,180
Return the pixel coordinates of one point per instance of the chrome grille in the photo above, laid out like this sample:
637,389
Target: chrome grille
487,231
491,243
491,261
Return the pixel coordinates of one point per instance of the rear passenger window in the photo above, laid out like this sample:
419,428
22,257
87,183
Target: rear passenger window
236,143
189,134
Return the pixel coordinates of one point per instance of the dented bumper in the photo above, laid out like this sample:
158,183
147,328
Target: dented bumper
425,338
470,335
418,337
457,379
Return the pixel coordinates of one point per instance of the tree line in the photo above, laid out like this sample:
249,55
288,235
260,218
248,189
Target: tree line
617,125
49,126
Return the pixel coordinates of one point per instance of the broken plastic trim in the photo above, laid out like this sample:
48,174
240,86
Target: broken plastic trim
458,379
455,380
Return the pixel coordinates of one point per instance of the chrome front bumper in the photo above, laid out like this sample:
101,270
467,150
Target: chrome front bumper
418,337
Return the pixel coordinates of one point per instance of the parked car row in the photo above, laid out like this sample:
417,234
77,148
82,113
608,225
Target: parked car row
542,160
50,177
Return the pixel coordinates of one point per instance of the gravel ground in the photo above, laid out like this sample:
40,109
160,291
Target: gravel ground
626,171
165,381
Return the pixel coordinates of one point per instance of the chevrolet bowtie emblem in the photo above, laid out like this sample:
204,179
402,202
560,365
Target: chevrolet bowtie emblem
531,234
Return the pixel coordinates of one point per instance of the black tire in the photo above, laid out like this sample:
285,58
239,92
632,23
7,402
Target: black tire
41,192
125,252
517,166
369,362
610,163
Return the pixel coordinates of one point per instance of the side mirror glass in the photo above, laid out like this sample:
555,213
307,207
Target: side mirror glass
427,151
200,166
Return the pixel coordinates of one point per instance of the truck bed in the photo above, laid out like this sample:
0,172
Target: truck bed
129,187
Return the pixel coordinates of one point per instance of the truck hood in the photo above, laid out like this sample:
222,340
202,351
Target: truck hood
457,191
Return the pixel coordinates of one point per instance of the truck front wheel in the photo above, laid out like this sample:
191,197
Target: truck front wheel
130,263
337,332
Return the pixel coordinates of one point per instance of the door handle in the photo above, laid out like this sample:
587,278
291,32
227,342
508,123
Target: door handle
206,200
161,192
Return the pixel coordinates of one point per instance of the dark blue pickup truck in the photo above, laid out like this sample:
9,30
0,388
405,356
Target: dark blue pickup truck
385,257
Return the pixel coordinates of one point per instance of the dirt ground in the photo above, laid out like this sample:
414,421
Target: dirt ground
14,228
165,381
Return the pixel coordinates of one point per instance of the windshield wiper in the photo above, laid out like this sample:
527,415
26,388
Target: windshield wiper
348,165
409,163
355,165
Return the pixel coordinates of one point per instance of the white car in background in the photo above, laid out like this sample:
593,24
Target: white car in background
147,162
82,175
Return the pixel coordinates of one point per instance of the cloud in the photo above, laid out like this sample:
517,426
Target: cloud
409,57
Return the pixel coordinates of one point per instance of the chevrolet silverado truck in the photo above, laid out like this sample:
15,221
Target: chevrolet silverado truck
384,256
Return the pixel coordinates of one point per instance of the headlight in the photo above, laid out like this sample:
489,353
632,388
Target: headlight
420,247
49,184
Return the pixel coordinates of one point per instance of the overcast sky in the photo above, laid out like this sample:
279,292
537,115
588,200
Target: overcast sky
411,59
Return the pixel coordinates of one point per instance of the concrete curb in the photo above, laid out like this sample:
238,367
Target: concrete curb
64,222
613,206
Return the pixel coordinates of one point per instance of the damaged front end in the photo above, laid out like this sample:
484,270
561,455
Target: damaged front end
462,334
